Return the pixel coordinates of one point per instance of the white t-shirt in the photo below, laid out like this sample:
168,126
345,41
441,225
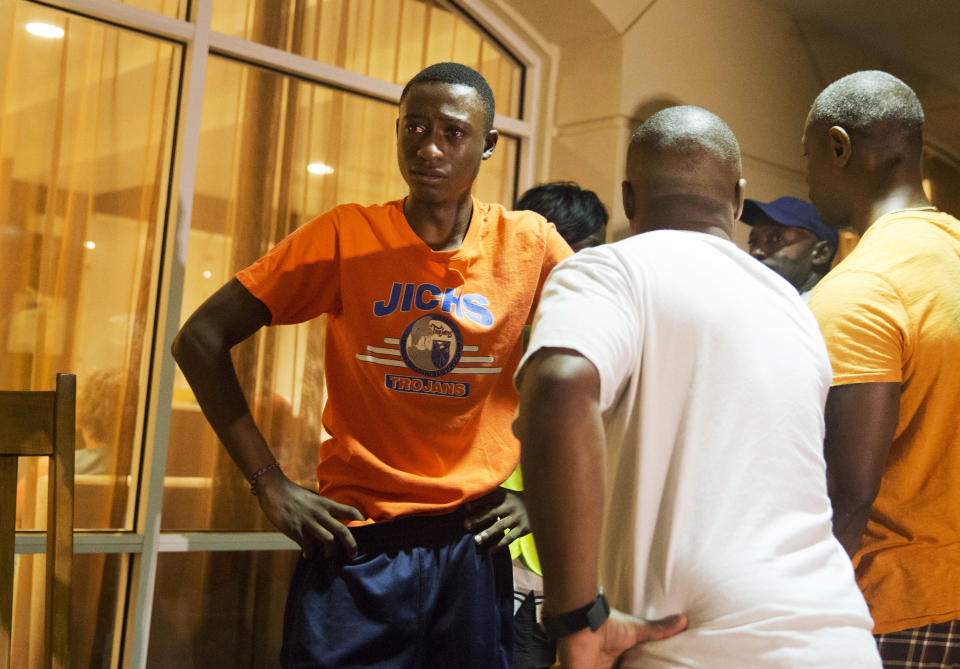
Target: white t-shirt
713,381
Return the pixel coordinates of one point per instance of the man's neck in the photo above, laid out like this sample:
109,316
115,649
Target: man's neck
896,198
441,226
810,282
707,221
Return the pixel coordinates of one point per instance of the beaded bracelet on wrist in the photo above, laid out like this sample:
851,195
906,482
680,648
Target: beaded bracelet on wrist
255,477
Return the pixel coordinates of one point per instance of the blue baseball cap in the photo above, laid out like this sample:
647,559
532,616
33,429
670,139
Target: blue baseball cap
793,213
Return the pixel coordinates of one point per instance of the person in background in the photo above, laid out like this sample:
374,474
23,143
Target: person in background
890,314
649,479
581,219
788,236
579,215
422,336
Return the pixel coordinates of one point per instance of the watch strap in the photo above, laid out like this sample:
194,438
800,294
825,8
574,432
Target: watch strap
593,615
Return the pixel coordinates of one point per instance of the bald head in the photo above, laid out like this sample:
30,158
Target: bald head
688,134
683,171
870,103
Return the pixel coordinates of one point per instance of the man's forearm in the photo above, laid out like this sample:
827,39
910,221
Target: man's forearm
563,445
562,456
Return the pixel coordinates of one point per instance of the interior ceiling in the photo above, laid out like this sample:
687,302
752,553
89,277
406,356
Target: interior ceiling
919,34
916,40
576,22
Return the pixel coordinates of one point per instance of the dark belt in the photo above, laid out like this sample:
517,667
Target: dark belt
409,532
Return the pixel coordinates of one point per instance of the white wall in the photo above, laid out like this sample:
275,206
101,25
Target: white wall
741,60
588,141
749,61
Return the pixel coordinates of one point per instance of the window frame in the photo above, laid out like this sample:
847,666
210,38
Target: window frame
145,541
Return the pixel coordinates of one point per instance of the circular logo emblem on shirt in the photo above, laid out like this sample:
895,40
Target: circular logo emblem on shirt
432,345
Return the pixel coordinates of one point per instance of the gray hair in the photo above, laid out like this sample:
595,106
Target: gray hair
863,100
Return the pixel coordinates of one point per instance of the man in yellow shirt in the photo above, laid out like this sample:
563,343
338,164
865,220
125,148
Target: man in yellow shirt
890,314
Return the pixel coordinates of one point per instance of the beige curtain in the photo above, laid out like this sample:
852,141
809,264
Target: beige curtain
82,185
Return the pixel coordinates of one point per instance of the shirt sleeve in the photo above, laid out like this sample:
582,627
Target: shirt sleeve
299,278
865,325
556,250
589,306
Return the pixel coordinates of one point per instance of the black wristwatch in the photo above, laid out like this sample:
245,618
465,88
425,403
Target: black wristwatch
593,615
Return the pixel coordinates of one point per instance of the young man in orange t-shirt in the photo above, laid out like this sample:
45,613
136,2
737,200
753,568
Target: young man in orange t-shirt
426,300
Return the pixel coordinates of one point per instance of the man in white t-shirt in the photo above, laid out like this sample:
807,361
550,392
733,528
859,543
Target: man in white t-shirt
671,419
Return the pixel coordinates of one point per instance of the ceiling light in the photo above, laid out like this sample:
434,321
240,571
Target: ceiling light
207,274
319,168
45,30
90,245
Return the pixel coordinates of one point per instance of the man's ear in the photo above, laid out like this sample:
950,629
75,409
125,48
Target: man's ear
820,254
629,204
738,195
841,148
490,143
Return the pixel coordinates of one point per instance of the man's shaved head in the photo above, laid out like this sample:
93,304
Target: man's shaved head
683,161
869,102
863,143
689,133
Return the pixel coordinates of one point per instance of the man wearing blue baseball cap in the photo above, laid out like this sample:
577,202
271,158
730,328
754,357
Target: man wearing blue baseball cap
788,236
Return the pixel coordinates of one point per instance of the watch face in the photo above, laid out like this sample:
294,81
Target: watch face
593,615
599,612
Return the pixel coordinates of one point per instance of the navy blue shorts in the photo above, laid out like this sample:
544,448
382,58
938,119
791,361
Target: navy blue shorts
418,595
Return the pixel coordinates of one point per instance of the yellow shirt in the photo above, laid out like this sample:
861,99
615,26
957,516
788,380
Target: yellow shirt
524,547
890,312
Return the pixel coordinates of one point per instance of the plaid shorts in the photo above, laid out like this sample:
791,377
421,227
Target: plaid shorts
934,646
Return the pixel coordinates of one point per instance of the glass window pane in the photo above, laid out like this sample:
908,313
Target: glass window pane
175,8
97,600
86,127
260,132
497,179
386,39
221,609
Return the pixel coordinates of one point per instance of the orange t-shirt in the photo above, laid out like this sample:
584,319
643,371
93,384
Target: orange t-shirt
421,347
890,313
